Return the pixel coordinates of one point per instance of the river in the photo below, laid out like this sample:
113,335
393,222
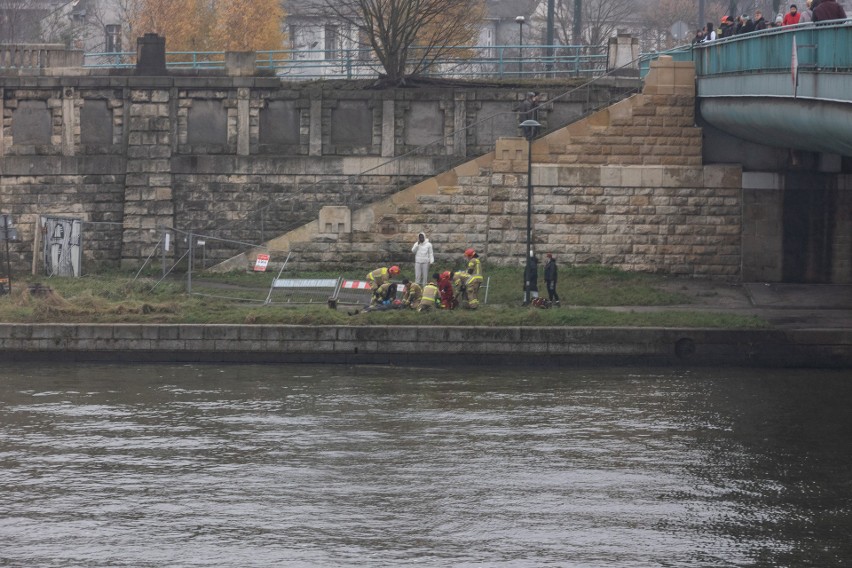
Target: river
260,466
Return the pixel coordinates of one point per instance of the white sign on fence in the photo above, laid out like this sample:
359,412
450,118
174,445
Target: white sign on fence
261,263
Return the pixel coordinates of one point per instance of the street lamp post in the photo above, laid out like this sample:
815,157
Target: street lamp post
520,20
530,127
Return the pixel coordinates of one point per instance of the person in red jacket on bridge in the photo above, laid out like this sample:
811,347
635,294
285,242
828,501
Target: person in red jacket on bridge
792,17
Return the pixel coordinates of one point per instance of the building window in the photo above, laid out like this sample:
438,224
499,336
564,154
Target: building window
365,50
113,38
292,36
331,42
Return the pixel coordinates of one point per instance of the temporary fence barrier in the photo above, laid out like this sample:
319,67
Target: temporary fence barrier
353,292
303,290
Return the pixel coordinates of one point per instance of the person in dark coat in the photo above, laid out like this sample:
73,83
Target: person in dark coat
529,111
531,280
550,277
746,26
828,10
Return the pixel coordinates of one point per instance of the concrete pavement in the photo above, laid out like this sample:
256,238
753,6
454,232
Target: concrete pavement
784,306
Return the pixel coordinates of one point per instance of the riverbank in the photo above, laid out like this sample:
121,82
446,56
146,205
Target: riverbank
410,345
682,323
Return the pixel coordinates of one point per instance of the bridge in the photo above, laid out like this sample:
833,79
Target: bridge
788,87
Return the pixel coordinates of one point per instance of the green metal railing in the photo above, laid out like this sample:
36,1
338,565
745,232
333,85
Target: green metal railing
823,46
517,61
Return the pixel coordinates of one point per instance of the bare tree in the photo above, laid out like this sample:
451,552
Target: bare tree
20,20
600,19
408,36
659,16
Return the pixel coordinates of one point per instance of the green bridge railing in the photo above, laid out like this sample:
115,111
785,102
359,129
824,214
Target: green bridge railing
826,46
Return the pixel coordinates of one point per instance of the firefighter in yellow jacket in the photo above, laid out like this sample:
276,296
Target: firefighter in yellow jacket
461,281
381,276
411,294
474,268
431,296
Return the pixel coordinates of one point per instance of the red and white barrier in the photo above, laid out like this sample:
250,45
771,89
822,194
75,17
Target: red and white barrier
355,285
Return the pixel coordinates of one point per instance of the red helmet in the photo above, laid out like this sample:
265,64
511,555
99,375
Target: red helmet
394,269
469,253
445,274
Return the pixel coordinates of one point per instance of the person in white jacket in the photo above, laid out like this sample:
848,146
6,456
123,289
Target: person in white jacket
423,257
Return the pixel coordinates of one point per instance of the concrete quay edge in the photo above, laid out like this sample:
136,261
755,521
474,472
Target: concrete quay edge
427,345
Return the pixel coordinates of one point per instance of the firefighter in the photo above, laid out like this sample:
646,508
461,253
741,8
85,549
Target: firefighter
383,296
411,294
474,268
445,286
380,276
431,298
461,280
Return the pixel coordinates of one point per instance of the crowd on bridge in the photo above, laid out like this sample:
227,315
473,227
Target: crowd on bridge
448,289
814,11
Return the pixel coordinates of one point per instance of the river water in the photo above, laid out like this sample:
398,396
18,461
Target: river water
193,465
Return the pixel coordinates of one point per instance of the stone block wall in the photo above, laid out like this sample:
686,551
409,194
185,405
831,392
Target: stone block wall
676,220
640,198
245,158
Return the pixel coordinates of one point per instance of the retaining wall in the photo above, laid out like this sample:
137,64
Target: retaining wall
244,158
126,343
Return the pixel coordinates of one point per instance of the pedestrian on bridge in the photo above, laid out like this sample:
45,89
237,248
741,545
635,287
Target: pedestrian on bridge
807,15
829,10
745,25
728,28
792,17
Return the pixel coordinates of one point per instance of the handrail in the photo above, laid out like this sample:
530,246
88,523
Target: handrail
462,61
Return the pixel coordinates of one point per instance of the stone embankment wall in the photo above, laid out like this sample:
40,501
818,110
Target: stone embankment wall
241,158
425,345
624,187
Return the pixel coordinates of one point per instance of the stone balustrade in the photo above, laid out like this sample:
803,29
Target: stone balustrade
37,56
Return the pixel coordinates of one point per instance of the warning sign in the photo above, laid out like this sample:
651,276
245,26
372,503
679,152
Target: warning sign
261,263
